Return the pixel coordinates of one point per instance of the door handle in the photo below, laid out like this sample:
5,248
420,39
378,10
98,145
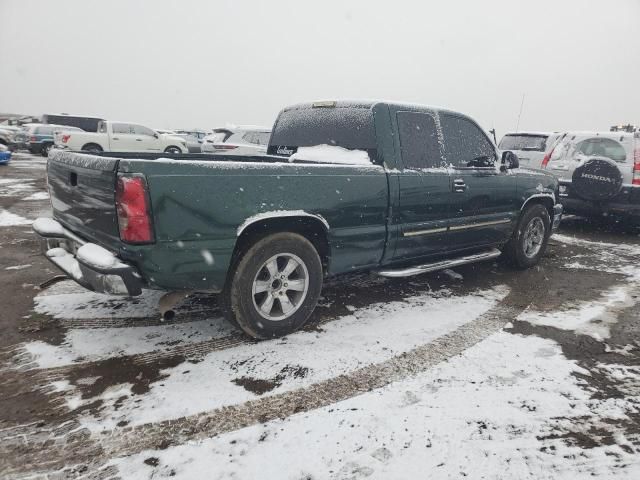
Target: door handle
459,186
115,138
138,139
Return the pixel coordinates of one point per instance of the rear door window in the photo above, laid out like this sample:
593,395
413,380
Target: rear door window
465,144
419,145
530,143
122,128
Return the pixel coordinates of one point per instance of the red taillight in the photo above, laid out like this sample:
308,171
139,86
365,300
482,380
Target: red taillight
132,206
225,147
546,158
636,167
65,138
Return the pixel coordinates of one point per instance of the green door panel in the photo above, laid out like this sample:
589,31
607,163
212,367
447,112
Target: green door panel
483,210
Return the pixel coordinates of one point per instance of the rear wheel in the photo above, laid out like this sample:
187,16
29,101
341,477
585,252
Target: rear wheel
275,286
92,147
173,150
46,148
529,241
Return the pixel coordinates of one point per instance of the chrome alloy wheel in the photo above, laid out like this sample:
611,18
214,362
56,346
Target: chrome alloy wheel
534,235
280,287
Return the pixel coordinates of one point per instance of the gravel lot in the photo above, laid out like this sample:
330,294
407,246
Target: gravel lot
481,372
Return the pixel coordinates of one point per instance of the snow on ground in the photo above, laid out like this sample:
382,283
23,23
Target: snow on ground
37,196
92,344
69,301
380,331
494,412
8,219
12,187
592,318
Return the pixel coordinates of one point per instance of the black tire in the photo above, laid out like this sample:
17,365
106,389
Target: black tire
516,249
239,302
92,147
173,150
46,147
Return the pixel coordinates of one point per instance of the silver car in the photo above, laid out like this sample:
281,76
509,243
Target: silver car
598,172
530,147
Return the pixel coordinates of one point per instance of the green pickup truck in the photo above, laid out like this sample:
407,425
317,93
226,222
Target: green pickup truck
397,189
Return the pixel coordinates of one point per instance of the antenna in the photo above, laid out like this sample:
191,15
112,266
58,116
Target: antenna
520,114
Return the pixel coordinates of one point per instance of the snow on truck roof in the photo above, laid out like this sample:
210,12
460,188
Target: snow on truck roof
362,103
530,133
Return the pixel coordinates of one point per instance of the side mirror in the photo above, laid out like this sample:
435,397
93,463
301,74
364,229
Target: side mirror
155,135
509,160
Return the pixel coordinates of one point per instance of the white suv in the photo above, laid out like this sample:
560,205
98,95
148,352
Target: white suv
598,172
244,140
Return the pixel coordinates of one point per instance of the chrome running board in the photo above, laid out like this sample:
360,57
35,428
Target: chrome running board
441,265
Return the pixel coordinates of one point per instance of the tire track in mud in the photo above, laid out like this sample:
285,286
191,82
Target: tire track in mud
130,440
28,449
177,431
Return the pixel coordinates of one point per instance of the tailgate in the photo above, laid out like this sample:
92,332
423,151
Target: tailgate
82,189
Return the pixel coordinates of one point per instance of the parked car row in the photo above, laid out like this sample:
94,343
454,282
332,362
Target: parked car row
599,172
98,135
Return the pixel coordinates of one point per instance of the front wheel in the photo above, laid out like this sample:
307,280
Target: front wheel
275,286
172,150
529,241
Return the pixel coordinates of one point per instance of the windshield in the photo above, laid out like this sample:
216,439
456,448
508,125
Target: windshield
347,127
533,143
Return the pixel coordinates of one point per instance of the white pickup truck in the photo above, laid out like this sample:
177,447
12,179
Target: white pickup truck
121,137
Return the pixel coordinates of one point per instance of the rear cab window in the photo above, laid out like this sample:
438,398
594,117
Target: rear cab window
122,128
350,127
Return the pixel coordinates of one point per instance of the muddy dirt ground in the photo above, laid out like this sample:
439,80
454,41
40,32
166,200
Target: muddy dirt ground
83,377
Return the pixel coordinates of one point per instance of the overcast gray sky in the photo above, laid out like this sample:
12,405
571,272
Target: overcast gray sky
208,63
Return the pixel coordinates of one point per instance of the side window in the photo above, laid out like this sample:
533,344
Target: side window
249,137
121,128
419,145
602,147
140,130
465,145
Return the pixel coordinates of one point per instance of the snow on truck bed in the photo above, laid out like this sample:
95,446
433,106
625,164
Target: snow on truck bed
331,154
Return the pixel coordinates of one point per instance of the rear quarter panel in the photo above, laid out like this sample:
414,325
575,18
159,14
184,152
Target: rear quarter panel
199,206
532,184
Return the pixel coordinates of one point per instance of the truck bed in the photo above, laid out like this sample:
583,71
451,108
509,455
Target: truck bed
200,203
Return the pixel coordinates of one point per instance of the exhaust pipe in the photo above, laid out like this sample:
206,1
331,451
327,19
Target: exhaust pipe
169,300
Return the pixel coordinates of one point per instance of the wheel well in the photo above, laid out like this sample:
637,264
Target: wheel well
172,146
546,202
90,144
310,228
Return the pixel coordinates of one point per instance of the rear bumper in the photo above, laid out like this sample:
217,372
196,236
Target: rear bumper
61,246
626,203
